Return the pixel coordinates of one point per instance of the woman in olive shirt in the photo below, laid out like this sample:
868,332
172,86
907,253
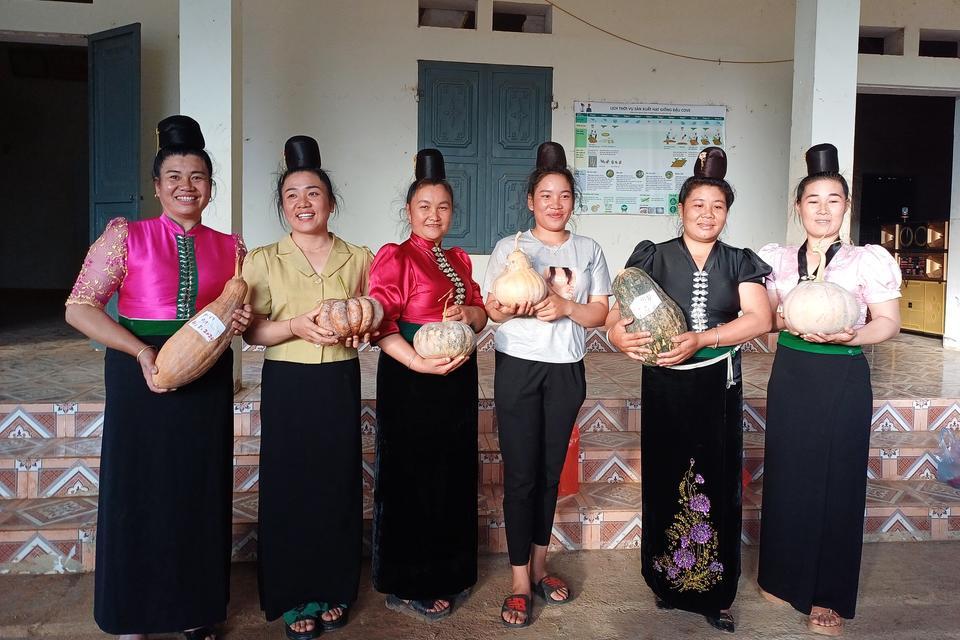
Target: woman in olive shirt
311,504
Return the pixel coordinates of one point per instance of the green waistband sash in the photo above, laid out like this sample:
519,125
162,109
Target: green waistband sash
408,329
709,352
791,341
151,327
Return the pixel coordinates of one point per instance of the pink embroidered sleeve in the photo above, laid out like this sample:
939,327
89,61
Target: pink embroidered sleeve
104,267
241,248
880,274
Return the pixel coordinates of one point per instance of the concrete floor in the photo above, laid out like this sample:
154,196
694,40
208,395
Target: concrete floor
908,591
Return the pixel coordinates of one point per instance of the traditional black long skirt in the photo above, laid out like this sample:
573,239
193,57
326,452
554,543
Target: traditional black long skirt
814,479
164,516
311,485
425,498
691,446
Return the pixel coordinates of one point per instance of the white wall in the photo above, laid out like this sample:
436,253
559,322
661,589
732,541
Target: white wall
159,93
346,73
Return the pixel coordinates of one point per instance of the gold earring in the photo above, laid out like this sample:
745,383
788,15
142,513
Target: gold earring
156,196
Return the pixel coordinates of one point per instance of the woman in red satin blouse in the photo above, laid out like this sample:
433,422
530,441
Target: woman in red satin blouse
425,499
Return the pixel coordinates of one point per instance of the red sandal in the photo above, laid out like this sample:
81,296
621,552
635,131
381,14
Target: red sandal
516,603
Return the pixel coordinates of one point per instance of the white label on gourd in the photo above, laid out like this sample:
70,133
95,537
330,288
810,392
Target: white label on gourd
208,325
645,304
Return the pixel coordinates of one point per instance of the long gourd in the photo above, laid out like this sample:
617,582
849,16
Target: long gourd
196,346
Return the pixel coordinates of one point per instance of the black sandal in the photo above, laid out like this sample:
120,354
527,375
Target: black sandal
200,633
548,586
338,623
304,612
516,603
419,609
722,621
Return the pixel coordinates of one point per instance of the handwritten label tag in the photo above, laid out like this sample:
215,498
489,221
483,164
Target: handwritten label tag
645,304
208,325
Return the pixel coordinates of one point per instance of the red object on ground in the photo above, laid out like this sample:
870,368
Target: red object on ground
747,478
569,482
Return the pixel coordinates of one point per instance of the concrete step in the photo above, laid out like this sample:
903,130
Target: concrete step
56,535
63,467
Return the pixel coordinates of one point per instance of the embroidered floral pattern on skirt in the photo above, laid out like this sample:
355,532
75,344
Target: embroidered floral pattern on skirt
690,561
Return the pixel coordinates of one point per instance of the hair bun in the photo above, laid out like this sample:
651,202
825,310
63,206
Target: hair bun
822,158
301,152
179,131
550,155
429,165
711,163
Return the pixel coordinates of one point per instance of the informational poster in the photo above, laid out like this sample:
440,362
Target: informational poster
632,158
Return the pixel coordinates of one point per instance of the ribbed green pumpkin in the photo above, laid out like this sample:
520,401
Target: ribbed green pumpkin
637,292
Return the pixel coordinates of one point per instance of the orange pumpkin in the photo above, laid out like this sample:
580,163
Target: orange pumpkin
350,317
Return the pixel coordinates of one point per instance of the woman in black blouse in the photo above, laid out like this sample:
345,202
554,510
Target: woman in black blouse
692,402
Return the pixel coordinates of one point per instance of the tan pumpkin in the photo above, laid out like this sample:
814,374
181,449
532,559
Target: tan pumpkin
196,346
816,306
519,282
444,339
350,317
447,339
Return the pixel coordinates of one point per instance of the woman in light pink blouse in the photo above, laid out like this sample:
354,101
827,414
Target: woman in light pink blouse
819,404
164,508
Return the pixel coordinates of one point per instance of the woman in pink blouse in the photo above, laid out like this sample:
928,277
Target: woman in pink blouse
819,405
164,512
425,499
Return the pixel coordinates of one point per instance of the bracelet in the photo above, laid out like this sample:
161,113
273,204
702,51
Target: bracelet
717,343
414,357
140,353
290,328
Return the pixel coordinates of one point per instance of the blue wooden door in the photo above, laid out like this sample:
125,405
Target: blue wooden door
487,120
113,60
114,94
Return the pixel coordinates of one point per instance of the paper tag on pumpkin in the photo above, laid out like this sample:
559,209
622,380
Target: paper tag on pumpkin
645,304
208,325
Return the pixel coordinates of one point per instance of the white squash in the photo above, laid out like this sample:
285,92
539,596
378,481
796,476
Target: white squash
816,306
519,282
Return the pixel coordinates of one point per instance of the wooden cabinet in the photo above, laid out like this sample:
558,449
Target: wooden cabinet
921,251
921,306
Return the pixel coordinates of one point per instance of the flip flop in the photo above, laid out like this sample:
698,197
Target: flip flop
307,611
333,625
516,603
550,585
419,609
824,630
201,633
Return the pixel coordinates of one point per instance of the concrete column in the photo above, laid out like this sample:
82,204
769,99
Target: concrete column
211,92
951,328
824,89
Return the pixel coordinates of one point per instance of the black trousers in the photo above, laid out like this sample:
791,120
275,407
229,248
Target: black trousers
537,405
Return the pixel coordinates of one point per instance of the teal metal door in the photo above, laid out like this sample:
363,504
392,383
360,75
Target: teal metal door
488,121
114,93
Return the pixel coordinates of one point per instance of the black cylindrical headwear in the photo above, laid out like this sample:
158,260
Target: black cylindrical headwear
822,158
429,165
550,155
711,163
180,132
301,152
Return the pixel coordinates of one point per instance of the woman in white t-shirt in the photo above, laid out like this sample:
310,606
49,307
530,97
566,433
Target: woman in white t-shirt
540,382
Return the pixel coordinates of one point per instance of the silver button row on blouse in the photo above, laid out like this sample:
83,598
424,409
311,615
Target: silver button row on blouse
460,292
698,306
